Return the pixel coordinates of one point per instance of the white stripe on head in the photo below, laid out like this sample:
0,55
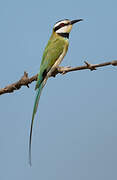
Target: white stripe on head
64,29
63,26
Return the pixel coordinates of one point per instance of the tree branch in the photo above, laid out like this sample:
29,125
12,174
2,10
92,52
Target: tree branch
25,80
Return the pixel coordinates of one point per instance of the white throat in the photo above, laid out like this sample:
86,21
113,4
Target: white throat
63,30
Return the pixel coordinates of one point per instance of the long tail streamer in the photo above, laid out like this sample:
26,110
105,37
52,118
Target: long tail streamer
38,94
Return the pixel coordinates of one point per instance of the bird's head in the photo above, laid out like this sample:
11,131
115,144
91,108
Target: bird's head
65,26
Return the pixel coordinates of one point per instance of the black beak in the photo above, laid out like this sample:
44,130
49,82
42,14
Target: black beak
75,21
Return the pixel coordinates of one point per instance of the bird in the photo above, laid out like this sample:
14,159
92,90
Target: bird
53,54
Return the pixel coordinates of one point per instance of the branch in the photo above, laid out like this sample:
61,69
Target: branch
25,80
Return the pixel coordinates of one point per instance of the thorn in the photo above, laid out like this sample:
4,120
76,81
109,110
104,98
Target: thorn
25,74
28,85
90,66
15,88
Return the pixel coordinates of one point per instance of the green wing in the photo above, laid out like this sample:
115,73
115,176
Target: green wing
51,53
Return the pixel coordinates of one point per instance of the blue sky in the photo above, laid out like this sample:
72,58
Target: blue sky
75,129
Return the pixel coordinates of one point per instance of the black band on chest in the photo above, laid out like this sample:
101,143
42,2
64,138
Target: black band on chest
65,35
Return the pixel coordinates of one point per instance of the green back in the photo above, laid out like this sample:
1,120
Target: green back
53,50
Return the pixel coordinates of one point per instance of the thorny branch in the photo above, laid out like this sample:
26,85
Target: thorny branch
25,80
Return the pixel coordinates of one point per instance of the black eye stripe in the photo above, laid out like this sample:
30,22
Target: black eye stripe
60,26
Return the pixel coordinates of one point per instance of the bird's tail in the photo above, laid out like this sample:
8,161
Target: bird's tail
38,94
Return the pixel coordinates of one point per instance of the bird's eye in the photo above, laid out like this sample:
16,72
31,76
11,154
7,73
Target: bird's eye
62,24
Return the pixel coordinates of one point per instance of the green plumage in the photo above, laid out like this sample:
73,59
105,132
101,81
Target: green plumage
56,46
53,50
53,54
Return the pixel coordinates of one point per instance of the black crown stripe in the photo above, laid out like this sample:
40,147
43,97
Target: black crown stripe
60,26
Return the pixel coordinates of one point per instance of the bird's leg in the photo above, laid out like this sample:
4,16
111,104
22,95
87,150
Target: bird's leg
54,71
62,69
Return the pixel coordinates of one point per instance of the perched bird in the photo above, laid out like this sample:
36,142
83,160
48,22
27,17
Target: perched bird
53,54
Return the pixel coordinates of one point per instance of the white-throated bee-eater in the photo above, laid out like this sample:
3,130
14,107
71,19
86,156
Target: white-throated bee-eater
53,54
